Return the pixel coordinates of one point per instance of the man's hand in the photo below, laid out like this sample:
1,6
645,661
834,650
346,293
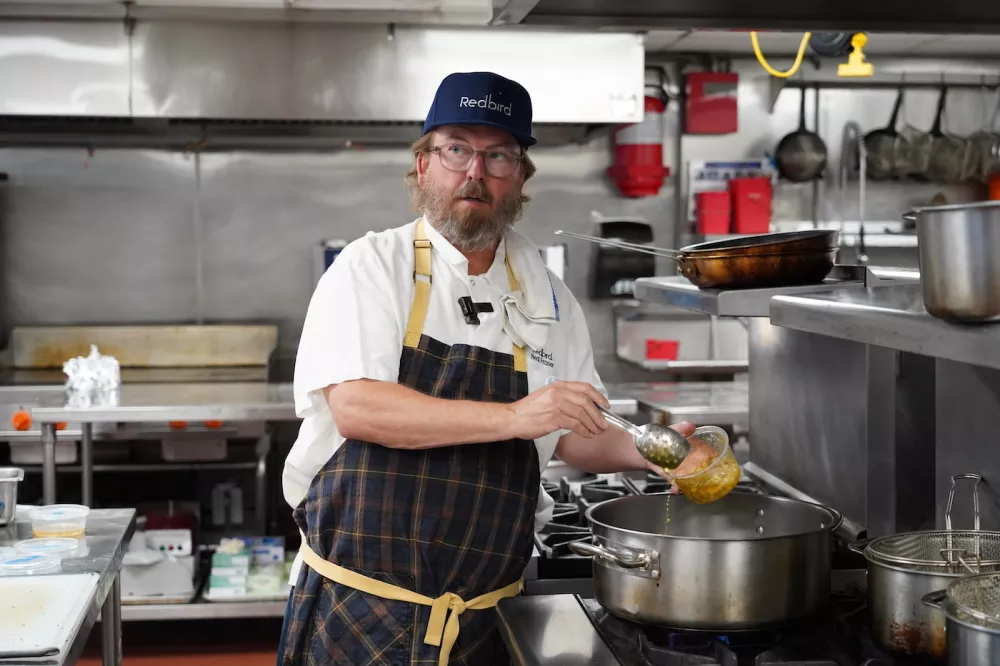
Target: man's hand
700,452
559,406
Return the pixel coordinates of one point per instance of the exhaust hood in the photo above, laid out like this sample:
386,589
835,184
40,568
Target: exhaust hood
304,72
410,12
961,16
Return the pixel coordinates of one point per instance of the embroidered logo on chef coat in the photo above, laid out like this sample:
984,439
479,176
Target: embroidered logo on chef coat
543,357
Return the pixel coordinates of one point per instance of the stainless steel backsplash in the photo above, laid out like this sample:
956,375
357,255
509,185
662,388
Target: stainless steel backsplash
116,236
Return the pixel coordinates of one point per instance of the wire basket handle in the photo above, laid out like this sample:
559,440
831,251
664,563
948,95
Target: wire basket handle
975,499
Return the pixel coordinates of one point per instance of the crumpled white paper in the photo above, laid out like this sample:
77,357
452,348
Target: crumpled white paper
92,380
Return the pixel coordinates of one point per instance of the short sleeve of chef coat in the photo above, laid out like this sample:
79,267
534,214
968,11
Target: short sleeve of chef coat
351,330
580,350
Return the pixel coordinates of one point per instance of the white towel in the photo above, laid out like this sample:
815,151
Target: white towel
530,311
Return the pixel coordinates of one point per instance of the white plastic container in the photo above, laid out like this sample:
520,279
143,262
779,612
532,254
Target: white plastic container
7,553
59,521
61,548
30,565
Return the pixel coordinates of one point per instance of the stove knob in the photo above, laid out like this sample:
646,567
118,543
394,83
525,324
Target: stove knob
214,425
61,426
21,420
178,425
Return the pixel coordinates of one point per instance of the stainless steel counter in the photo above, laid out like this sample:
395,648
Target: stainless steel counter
108,534
551,630
705,403
161,402
892,317
250,401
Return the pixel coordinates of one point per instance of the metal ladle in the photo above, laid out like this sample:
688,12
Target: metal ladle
659,445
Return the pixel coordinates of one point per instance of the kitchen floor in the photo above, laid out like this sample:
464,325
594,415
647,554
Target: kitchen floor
250,642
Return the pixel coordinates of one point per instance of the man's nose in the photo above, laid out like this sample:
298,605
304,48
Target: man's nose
476,169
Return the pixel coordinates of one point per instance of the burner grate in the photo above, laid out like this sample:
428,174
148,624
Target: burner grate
838,637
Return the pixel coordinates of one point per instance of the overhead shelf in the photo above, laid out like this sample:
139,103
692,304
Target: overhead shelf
892,317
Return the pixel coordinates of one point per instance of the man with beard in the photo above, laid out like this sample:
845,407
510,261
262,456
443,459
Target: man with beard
440,368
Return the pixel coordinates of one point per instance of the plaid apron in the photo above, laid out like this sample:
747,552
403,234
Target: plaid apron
453,519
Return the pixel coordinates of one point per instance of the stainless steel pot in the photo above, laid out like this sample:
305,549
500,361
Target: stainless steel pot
959,248
9,478
972,608
904,568
744,562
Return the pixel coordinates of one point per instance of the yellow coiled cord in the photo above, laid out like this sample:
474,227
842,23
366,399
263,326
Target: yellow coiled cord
772,71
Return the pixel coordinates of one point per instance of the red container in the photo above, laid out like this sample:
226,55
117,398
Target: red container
751,205
712,212
710,105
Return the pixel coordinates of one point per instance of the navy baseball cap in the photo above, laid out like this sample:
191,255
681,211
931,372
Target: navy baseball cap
482,98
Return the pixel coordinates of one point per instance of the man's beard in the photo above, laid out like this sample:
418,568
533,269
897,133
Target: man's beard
470,229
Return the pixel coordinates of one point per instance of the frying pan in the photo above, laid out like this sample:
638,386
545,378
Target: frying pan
767,260
947,151
801,155
881,146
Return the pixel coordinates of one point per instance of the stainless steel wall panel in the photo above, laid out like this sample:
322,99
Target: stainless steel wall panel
64,69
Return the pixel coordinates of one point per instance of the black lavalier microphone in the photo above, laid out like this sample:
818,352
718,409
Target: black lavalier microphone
471,310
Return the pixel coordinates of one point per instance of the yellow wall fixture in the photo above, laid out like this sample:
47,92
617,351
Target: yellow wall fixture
795,66
856,65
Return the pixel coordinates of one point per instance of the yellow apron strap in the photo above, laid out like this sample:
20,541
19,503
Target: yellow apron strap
422,294
520,361
421,286
442,629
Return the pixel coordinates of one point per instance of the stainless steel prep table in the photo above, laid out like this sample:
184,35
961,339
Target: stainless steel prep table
161,402
702,403
551,630
109,532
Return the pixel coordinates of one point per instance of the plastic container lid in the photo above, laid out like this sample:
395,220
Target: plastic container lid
7,553
60,513
58,547
31,565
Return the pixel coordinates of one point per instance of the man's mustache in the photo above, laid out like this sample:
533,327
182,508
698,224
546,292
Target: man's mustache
474,189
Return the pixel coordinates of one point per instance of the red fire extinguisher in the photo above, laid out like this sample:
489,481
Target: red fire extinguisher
638,167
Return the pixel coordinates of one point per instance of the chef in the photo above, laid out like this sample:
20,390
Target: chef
441,366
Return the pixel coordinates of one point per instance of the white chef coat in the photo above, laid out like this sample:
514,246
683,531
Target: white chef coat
357,317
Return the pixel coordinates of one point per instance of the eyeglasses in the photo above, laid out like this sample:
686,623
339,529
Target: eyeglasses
458,157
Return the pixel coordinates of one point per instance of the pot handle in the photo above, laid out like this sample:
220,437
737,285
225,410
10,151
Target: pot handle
910,216
645,560
859,546
688,268
935,599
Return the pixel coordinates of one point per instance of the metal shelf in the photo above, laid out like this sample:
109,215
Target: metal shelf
151,467
723,366
202,610
892,317
679,292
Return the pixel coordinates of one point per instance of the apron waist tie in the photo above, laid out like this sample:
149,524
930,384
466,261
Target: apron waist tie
442,630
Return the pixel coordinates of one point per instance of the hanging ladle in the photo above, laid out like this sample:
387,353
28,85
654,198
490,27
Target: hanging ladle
658,444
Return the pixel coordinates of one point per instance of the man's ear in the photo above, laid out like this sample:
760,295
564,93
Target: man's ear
423,161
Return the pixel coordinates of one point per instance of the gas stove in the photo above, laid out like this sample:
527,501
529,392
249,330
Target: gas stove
559,568
837,637
568,630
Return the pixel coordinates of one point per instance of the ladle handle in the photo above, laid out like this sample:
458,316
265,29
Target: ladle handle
635,247
622,423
